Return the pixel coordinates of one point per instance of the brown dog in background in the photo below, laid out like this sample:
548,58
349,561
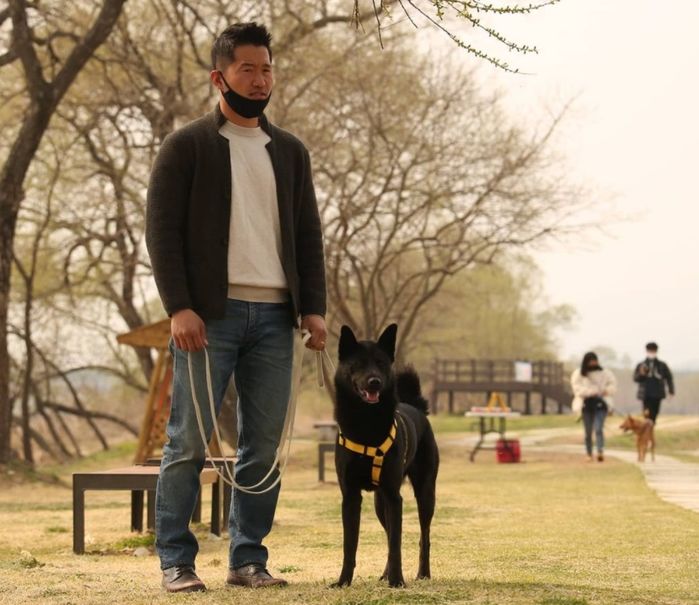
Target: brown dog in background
645,436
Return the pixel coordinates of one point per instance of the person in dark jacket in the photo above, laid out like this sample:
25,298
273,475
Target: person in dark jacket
234,236
652,375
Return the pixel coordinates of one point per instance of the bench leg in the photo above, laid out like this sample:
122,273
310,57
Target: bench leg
78,518
137,510
196,515
227,496
150,510
321,463
216,508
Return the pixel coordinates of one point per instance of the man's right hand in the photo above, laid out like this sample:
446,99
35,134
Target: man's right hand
188,330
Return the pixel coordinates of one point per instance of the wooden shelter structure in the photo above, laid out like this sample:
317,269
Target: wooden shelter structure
157,409
500,376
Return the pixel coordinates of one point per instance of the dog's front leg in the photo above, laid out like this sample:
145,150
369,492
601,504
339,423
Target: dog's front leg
351,513
394,518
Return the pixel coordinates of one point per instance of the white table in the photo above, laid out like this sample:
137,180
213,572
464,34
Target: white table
489,427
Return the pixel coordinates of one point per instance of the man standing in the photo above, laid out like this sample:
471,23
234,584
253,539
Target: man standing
235,242
651,375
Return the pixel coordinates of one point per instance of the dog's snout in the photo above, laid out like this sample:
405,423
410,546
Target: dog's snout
374,383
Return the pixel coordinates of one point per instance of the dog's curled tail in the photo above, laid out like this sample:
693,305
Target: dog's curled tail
409,391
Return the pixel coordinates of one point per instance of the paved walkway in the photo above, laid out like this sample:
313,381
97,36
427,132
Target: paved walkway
673,480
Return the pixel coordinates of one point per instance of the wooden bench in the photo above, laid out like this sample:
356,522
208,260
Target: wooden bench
327,436
218,462
136,479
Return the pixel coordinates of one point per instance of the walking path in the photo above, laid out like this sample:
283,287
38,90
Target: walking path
674,481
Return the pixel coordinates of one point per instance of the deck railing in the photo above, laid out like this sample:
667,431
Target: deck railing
543,377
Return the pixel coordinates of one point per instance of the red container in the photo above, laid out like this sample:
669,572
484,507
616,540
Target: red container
507,450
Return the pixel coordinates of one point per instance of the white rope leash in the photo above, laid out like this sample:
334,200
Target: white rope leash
287,431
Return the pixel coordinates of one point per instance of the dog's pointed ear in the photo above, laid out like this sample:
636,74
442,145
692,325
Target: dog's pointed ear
387,341
347,344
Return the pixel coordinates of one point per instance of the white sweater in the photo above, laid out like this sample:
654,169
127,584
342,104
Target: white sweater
255,243
600,383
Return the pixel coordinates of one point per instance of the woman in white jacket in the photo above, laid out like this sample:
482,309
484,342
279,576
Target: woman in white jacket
594,389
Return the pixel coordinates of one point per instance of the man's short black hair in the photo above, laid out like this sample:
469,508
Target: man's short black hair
651,346
223,50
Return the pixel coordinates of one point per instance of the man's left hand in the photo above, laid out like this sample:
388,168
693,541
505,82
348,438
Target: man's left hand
315,324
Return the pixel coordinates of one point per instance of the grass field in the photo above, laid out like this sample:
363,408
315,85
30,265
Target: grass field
552,530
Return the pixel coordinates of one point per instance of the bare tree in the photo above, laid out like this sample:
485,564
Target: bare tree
447,15
420,176
150,76
48,73
38,398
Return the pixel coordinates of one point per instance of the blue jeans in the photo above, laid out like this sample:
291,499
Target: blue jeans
594,420
254,342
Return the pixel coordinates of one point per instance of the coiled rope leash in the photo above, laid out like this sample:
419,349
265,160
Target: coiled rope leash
322,358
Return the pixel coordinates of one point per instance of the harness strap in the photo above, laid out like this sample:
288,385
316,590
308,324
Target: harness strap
377,453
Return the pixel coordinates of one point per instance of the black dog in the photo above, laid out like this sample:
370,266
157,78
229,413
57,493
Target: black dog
380,442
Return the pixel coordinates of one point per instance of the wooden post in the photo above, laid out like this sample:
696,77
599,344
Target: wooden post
527,403
451,401
147,424
435,393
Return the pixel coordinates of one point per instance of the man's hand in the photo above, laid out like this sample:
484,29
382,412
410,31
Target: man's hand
315,324
188,330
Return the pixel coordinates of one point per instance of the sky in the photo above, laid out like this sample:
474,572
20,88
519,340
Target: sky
632,139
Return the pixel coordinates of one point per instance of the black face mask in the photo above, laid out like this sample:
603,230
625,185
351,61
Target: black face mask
247,108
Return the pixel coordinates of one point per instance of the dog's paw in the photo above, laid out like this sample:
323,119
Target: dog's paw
340,583
397,583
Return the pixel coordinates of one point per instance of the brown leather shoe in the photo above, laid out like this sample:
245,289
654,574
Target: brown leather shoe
181,578
253,575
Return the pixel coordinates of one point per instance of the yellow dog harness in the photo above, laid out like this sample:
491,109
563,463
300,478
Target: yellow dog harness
377,453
